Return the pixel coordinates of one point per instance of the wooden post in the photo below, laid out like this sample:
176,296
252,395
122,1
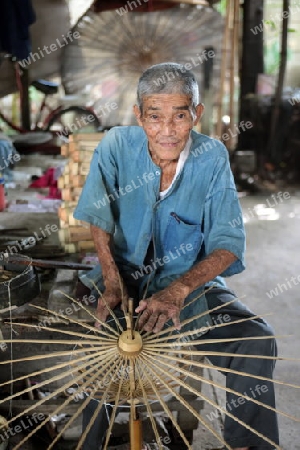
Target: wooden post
281,74
207,95
223,70
252,62
135,432
234,39
24,100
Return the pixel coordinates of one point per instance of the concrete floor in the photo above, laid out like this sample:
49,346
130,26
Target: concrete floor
273,258
272,262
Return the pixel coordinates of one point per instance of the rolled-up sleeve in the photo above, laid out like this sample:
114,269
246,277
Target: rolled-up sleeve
223,221
99,191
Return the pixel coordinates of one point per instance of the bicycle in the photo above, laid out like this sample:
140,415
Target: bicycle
60,122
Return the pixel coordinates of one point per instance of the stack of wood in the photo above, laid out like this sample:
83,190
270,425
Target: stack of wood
74,234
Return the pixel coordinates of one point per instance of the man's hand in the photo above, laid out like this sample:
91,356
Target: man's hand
161,307
167,304
112,296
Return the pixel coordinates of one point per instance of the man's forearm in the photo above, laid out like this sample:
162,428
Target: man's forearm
103,244
206,270
115,292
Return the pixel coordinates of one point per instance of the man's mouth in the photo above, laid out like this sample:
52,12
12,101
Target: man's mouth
169,144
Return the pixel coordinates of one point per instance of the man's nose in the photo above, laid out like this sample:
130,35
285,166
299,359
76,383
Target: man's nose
168,127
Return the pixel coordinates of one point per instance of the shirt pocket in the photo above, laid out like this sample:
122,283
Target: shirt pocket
180,233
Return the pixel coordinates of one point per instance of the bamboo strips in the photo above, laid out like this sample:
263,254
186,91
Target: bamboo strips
79,152
163,364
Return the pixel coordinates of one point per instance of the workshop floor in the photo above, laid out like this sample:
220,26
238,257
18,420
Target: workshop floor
273,263
273,258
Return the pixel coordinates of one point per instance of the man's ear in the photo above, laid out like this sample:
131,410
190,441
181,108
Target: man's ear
199,113
138,115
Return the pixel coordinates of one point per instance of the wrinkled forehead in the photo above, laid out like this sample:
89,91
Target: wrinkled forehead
166,102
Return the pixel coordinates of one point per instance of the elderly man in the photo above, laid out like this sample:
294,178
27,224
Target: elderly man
160,199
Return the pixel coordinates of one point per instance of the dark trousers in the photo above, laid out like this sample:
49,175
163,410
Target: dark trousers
96,435
257,417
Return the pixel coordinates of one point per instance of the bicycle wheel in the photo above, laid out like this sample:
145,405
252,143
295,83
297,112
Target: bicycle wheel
74,119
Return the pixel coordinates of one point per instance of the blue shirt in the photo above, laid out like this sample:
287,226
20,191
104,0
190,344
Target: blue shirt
121,196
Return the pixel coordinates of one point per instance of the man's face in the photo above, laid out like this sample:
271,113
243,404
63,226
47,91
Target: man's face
167,120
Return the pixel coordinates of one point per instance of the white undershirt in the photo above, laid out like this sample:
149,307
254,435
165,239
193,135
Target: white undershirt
181,161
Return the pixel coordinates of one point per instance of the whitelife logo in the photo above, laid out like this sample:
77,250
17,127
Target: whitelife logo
41,53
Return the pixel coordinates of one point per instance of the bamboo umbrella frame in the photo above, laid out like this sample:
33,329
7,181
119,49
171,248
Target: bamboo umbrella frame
117,365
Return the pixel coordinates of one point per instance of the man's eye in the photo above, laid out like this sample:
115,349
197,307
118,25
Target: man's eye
154,117
180,116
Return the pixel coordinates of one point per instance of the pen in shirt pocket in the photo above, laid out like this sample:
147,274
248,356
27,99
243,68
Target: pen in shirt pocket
173,214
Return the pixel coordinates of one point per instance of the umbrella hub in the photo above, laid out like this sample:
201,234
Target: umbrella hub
130,343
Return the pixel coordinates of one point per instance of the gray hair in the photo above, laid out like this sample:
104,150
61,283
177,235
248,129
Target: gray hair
167,78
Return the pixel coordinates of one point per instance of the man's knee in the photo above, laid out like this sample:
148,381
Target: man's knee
269,341
271,346
266,344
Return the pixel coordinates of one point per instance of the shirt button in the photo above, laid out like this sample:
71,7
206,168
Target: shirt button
157,173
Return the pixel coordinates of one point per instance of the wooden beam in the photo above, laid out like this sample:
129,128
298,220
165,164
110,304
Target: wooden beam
252,61
280,79
24,100
224,56
234,38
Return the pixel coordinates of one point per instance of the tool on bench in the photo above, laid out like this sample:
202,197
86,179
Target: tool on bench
24,284
43,263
